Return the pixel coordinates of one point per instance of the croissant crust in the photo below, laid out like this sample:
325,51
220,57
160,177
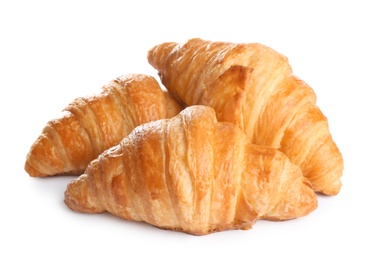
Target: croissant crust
253,86
89,125
193,174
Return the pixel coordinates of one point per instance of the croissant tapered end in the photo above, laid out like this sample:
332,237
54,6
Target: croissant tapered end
34,166
63,148
45,158
290,194
80,197
159,53
298,201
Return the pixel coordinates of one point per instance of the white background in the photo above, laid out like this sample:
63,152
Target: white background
54,51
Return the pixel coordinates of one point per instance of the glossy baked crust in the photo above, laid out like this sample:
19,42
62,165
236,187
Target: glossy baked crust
253,86
192,174
89,125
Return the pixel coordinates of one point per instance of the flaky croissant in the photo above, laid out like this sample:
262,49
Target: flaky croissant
90,125
253,86
192,174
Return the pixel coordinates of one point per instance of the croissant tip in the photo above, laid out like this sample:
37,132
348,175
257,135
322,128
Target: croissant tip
72,196
79,196
32,171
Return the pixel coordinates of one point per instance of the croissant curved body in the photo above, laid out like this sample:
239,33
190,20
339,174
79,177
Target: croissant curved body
192,174
90,125
253,86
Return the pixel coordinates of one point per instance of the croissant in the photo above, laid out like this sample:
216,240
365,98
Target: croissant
253,86
192,174
89,125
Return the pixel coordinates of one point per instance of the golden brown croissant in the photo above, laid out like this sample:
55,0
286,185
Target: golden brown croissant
253,86
192,174
90,125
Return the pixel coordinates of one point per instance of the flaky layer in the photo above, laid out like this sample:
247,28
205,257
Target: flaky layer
92,124
253,86
193,174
